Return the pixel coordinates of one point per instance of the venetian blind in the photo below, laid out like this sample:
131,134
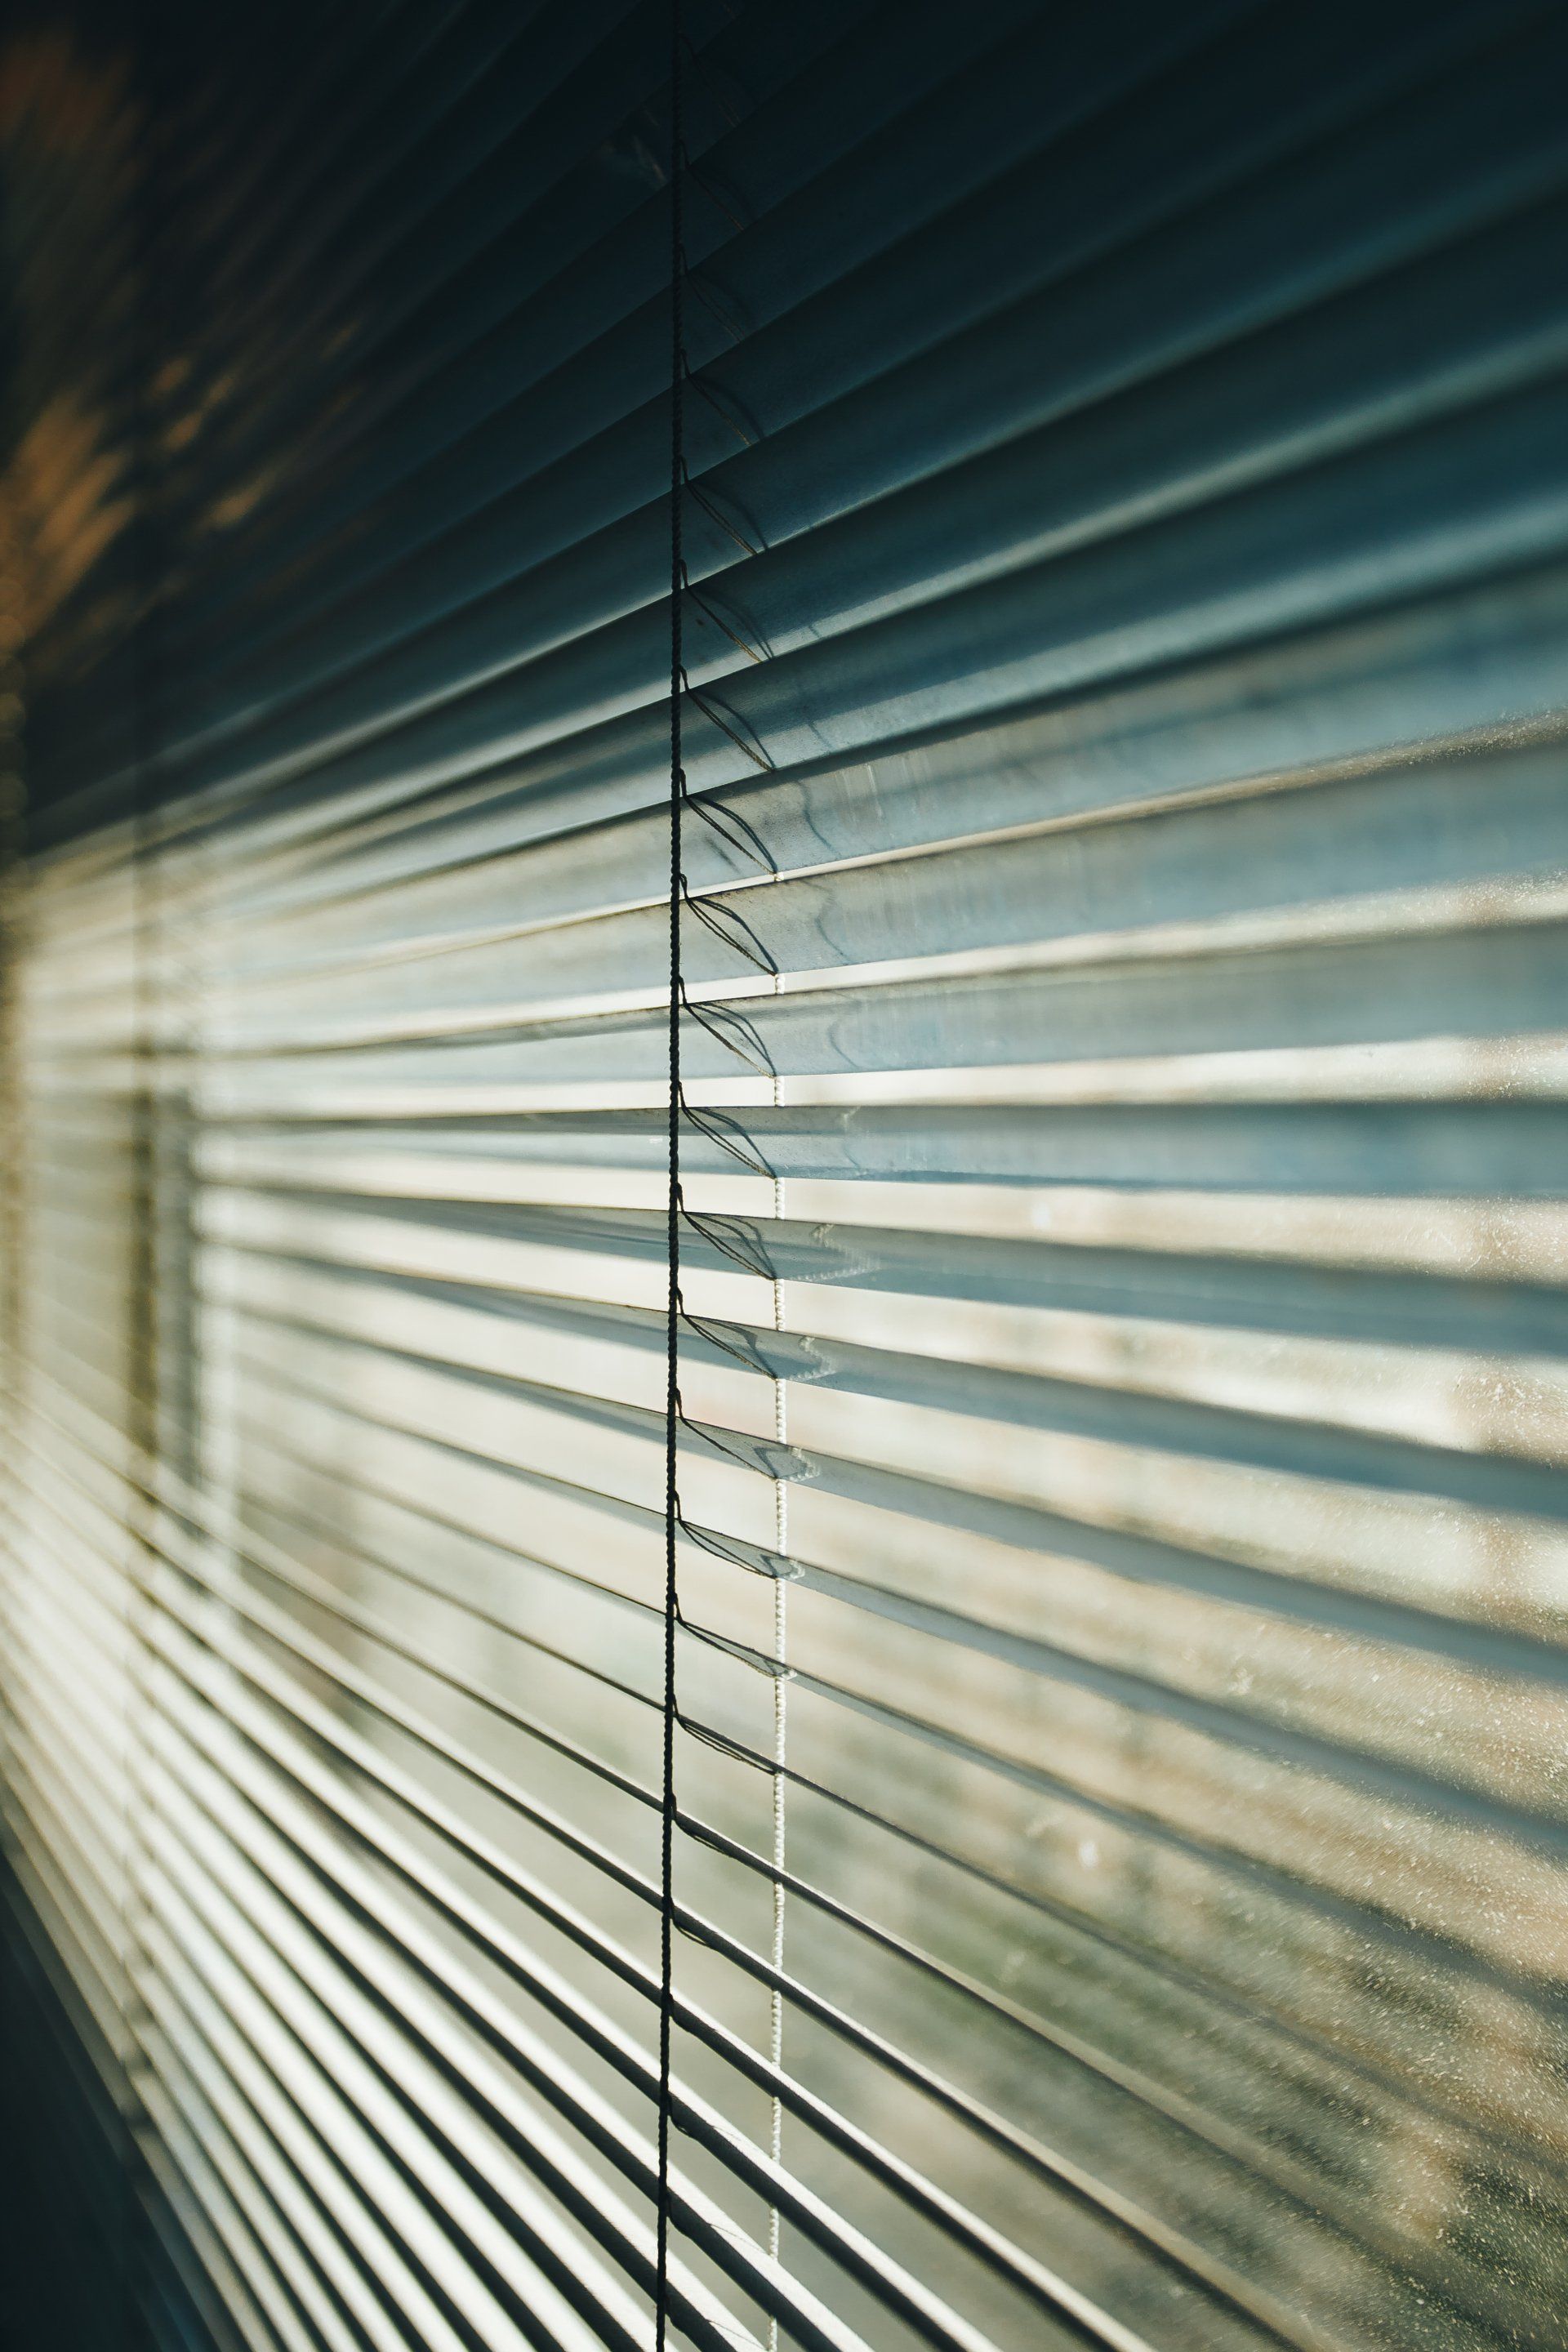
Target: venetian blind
1115,1879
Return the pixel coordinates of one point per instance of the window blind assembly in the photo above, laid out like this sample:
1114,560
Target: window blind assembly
785,1025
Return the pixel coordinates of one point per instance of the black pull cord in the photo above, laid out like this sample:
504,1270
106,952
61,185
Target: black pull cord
678,46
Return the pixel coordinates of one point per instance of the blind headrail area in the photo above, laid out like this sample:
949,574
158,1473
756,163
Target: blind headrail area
953,1736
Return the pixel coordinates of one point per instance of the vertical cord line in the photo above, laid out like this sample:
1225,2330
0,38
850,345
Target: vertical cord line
672,1231
780,1704
781,1727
